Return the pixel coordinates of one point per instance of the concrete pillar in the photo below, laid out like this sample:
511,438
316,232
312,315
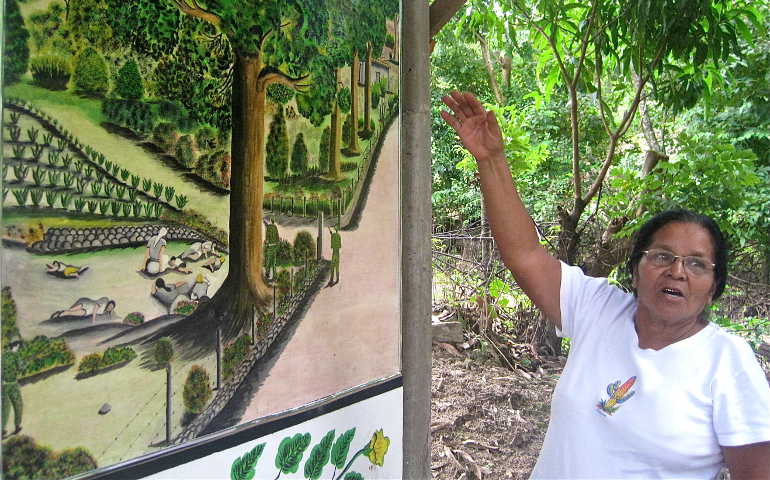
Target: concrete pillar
415,237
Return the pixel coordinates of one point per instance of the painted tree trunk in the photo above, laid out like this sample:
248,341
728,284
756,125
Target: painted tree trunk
169,395
368,91
354,72
247,189
335,139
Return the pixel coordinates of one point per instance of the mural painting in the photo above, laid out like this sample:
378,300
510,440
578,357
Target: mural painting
199,222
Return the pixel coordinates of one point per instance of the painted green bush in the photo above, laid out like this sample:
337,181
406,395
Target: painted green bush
299,156
50,71
9,329
164,136
43,353
184,152
323,150
91,76
15,49
128,84
277,153
24,459
197,390
234,354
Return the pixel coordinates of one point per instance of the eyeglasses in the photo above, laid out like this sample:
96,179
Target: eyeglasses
694,265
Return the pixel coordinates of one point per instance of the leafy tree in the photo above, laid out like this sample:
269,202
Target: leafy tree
129,81
299,156
197,389
88,24
375,16
304,245
266,49
15,48
91,77
277,153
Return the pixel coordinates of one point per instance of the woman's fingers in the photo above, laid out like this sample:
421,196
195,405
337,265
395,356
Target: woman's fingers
462,103
473,104
450,119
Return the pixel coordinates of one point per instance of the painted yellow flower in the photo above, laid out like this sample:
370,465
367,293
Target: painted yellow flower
378,447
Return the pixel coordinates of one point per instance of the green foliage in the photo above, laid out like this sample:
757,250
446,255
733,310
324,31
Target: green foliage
24,459
290,452
346,127
341,448
706,176
244,467
129,81
344,99
93,362
91,77
279,93
235,354
379,89
319,457
135,115
185,307
299,156
10,330
15,49
164,136
277,150
163,351
42,354
206,137
304,245
134,318
324,150
353,476
197,389
50,71
285,254
184,152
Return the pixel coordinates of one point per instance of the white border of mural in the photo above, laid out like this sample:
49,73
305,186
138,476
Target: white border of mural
381,413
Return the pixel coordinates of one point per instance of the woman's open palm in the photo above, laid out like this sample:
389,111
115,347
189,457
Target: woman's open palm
477,128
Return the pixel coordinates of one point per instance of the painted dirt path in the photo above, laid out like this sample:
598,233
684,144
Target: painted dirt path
360,314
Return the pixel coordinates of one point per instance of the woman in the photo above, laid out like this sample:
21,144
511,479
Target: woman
86,307
650,389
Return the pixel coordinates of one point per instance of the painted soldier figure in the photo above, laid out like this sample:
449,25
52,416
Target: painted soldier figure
11,370
272,241
336,244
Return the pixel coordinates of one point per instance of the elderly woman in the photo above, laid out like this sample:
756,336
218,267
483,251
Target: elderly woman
651,389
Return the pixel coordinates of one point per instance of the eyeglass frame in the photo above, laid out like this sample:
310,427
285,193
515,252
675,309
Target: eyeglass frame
712,266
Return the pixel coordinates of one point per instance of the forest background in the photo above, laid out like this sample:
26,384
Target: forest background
612,111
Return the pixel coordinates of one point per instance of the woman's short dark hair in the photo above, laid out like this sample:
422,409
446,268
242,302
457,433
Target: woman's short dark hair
643,239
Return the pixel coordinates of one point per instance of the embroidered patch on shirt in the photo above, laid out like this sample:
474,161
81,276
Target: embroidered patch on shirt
618,394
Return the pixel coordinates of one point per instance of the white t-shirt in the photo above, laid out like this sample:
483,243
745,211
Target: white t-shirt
619,411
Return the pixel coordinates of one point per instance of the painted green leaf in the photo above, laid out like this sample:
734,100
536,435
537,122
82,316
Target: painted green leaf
244,467
341,447
353,476
319,457
290,452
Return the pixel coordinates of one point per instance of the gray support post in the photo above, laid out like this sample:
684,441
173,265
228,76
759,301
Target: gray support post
415,238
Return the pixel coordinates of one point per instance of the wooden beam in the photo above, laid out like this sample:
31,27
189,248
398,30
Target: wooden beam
441,11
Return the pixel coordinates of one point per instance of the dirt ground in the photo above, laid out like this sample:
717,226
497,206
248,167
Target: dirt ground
487,422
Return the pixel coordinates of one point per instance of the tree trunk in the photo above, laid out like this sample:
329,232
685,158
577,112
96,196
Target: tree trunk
353,143
247,184
335,139
491,74
368,91
169,395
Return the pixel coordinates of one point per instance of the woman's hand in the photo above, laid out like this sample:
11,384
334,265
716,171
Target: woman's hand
477,128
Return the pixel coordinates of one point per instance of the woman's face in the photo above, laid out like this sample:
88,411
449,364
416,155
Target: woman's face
673,294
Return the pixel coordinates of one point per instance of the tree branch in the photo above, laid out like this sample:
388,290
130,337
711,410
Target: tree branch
490,69
270,75
196,11
585,42
441,12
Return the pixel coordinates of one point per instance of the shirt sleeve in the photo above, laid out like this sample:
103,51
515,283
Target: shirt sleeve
583,300
741,399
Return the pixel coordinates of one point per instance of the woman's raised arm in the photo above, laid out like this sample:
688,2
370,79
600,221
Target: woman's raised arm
537,272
